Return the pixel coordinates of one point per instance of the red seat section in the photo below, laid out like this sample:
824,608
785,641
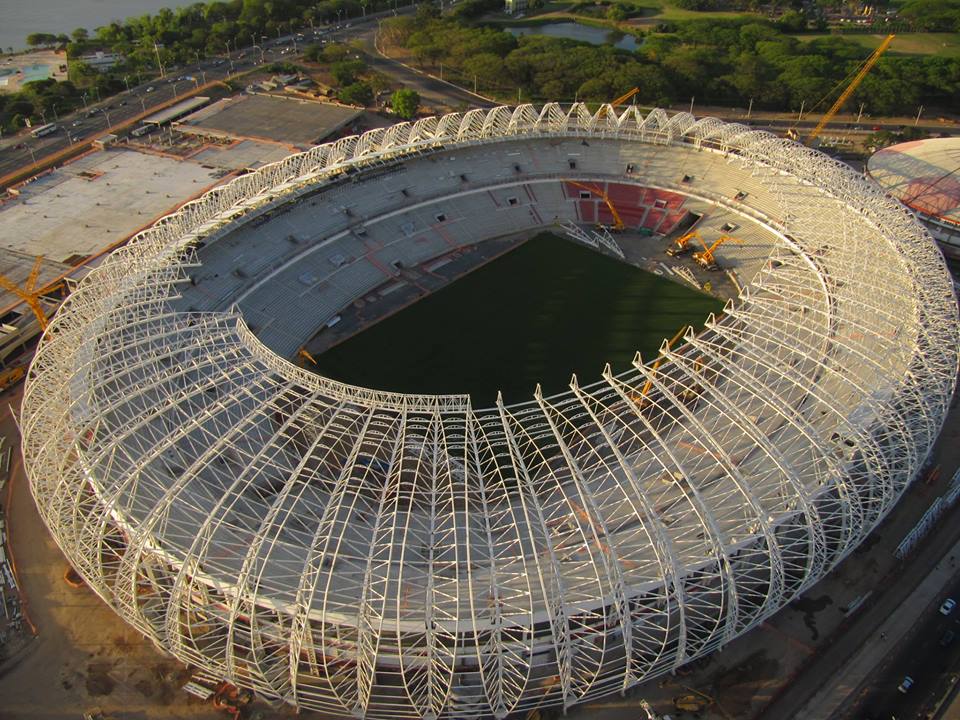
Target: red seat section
656,210
588,210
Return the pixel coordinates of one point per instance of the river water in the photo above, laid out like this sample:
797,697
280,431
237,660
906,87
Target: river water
19,18
575,31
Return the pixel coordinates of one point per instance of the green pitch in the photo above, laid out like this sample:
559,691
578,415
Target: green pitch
537,314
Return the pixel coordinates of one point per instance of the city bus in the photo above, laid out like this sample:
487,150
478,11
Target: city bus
43,130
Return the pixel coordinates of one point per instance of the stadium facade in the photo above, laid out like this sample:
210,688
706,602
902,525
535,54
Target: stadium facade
383,555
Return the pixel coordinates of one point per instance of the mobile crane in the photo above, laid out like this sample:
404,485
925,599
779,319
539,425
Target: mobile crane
681,245
705,258
618,225
854,84
30,293
619,101
641,398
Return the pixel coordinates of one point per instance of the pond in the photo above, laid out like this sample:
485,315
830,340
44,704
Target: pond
576,31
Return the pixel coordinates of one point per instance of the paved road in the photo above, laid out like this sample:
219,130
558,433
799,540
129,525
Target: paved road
931,665
824,667
433,91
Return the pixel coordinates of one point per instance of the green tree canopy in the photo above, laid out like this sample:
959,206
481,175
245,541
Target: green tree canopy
405,103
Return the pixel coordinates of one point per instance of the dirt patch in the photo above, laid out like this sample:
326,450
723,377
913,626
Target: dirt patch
735,687
99,681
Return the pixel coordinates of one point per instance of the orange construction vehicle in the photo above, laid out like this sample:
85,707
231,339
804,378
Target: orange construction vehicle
617,221
682,244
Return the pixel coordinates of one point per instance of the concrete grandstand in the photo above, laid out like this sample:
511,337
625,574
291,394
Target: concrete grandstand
363,552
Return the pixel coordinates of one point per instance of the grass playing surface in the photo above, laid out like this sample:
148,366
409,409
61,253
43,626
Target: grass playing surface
537,314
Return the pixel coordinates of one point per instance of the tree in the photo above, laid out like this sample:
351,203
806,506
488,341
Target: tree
345,73
617,13
358,93
35,39
405,103
80,35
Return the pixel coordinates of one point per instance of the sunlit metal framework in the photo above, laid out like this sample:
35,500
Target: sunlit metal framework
387,555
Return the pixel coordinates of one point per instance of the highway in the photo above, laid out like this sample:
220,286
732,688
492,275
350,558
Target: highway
933,667
96,118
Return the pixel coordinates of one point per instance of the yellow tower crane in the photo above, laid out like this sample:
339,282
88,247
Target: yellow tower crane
617,221
30,293
845,95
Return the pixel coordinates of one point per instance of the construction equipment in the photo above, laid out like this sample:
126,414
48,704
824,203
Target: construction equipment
618,225
691,703
845,95
641,399
11,376
682,244
619,101
29,293
705,258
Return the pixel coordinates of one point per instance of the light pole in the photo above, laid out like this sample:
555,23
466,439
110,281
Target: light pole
33,155
143,103
96,89
917,121
197,53
67,133
84,98
203,74
126,81
107,116
175,89
257,47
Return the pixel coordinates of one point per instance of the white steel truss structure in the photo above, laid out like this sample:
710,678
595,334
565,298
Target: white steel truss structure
383,555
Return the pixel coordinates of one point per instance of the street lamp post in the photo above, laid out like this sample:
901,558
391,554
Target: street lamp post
107,116
126,81
67,133
84,98
143,103
175,89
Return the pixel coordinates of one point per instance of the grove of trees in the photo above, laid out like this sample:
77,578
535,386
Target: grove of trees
720,62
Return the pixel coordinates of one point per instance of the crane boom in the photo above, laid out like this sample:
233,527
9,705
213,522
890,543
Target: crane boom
619,101
845,95
617,221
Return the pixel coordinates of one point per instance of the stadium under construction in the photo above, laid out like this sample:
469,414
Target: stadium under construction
369,553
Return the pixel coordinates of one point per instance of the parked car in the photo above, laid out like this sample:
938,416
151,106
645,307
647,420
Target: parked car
906,684
948,605
151,88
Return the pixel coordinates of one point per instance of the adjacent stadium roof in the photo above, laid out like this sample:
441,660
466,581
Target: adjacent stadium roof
369,553
922,174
